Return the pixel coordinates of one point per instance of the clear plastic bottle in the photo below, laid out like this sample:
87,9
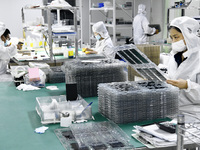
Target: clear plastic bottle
28,39
65,50
24,45
32,42
37,42
41,42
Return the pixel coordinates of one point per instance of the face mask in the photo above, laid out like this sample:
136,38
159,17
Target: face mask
179,46
6,43
98,37
144,12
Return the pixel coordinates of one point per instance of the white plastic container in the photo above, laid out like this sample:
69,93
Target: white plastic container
50,114
65,50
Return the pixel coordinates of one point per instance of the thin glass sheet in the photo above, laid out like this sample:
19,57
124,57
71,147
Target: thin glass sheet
139,56
157,73
128,52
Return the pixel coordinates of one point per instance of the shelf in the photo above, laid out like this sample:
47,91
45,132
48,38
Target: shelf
117,25
179,8
63,33
107,25
34,8
60,7
112,13
32,28
122,8
50,7
101,9
124,25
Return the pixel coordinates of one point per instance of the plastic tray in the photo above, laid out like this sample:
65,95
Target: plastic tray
50,108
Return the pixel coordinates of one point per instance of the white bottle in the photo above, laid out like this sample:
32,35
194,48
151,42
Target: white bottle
37,42
28,39
24,45
65,50
32,42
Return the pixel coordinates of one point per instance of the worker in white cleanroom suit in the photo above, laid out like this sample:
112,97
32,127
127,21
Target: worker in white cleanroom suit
184,64
141,26
104,43
6,50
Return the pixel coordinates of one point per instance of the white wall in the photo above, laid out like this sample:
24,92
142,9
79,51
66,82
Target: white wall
10,11
85,20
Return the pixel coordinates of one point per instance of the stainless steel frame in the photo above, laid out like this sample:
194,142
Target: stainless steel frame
48,9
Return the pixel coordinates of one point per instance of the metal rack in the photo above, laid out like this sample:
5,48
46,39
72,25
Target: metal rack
114,26
182,9
49,26
182,130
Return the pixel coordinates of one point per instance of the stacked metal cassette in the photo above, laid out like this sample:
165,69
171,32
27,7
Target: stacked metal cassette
88,74
126,102
140,62
56,75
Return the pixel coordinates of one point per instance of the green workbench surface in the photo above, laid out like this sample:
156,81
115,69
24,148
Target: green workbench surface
19,119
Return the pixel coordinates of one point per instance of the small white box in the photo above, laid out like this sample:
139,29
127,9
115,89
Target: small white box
66,121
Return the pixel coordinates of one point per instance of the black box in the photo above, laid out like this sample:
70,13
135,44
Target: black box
71,91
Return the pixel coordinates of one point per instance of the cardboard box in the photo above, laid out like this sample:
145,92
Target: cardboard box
152,52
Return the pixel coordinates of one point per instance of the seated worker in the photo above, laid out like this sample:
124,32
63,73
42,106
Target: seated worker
6,50
20,45
141,28
184,64
104,43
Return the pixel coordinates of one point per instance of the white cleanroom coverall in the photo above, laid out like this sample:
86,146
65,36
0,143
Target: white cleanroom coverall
5,52
104,46
189,69
141,26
